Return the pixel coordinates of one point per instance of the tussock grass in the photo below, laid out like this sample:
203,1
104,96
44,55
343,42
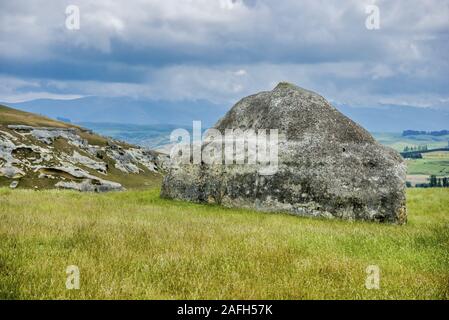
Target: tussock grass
136,245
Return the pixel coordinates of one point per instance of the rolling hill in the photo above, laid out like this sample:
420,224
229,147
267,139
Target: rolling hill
38,152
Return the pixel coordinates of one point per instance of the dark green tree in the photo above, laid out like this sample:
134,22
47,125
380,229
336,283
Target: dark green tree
433,181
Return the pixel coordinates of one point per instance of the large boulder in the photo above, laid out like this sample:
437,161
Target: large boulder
328,165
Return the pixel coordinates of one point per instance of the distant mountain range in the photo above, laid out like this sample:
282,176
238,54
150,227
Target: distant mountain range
125,110
395,118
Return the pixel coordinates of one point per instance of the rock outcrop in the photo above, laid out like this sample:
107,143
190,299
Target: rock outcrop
64,158
328,166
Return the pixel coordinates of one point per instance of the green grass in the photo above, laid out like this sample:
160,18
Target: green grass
136,245
399,142
436,163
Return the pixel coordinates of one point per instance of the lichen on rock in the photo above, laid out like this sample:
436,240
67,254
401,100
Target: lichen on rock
329,166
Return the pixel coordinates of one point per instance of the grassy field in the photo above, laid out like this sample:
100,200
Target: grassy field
399,142
136,245
436,163
419,170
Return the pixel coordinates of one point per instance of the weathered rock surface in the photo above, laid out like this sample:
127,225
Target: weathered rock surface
11,172
88,185
63,158
328,165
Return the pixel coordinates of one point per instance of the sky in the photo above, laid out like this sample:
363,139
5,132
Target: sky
223,50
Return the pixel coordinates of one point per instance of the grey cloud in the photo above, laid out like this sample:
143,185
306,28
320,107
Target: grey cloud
192,49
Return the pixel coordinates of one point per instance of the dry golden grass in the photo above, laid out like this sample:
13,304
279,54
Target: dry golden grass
13,116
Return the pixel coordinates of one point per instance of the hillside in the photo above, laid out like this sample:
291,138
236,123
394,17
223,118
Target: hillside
398,142
120,110
38,152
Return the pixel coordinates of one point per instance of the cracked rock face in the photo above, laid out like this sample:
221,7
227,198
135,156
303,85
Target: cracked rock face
328,165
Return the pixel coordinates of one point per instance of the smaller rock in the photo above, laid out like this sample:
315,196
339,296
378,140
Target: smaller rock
89,185
11,172
14,184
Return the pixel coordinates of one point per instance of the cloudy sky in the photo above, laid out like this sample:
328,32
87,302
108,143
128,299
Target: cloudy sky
222,50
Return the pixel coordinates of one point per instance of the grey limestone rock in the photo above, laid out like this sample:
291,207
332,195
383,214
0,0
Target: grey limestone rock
328,165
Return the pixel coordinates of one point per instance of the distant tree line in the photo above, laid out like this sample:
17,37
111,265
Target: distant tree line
431,133
413,156
416,148
414,152
434,182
